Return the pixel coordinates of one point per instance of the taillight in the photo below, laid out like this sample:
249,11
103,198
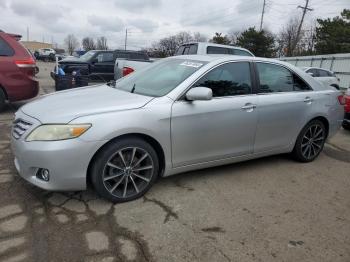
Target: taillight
341,100
347,103
127,70
27,66
29,62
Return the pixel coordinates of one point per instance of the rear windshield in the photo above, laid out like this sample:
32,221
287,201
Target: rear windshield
187,50
5,48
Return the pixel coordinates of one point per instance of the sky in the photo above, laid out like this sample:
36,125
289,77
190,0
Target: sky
149,20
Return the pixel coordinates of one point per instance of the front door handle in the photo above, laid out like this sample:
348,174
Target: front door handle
308,100
248,107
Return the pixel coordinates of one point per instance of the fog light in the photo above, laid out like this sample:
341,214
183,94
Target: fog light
43,174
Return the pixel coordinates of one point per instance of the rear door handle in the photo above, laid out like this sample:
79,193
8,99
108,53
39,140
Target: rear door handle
248,107
308,100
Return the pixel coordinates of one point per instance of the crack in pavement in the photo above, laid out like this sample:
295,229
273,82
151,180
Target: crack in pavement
167,209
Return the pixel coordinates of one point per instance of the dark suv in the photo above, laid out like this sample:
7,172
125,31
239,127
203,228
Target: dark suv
97,64
17,71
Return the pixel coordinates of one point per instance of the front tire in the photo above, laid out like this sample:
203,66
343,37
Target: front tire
310,142
125,169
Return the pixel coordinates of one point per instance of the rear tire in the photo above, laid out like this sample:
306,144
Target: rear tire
310,142
124,169
2,100
346,127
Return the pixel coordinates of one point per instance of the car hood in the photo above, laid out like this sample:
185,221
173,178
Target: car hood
64,106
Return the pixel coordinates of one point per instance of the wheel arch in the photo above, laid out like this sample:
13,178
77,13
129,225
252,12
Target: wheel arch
149,139
4,91
336,86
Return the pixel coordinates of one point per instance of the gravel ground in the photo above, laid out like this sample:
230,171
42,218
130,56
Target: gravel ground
270,209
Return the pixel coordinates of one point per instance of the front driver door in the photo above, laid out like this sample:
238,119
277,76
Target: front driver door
104,66
223,127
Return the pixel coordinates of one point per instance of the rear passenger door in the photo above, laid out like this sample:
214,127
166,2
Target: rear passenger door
284,102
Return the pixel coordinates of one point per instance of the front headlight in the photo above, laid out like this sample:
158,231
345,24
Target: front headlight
57,132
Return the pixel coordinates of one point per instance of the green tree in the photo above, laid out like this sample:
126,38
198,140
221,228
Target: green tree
333,35
260,43
218,38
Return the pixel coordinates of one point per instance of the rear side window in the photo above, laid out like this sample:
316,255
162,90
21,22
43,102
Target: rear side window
123,55
212,50
138,56
5,48
275,78
240,52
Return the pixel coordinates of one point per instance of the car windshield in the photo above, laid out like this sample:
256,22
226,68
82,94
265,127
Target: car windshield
159,78
85,57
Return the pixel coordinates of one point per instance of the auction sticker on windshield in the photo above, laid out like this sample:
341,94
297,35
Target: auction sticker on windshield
191,64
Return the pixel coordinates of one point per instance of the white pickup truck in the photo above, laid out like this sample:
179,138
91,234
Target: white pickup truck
125,66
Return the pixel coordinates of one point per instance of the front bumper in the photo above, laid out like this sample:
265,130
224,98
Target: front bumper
67,161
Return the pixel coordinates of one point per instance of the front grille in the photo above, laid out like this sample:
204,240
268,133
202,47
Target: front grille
20,127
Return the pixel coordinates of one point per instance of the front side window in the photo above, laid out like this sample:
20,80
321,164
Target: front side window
274,78
314,72
228,80
159,78
105,57
193,49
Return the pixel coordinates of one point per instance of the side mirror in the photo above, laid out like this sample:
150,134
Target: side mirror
311,74
95,60
199,93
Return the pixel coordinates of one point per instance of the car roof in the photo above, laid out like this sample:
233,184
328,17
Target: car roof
218,45
224,58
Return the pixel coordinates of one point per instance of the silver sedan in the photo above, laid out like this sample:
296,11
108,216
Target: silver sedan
179,114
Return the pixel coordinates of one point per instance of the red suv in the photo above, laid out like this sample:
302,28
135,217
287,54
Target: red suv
346,98
17,71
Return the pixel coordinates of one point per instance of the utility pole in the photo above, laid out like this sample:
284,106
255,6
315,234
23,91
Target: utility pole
305,9
262,15
27,33
126,37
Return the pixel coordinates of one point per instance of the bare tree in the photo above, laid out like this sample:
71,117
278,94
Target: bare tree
183,37
71,43
198,37
88,43
288,37
233,35
102,43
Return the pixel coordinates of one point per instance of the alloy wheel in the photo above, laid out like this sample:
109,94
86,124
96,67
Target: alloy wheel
312,141
128,172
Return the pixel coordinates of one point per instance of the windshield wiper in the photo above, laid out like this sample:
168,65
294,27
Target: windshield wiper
133,88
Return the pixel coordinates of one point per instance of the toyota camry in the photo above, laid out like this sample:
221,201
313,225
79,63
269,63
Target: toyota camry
179,114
